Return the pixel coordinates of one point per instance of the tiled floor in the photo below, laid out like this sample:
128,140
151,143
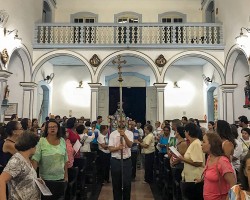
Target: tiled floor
139,190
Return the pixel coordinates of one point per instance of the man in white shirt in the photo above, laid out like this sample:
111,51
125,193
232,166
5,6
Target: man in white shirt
120,142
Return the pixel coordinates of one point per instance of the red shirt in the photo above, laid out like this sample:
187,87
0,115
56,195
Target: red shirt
216,188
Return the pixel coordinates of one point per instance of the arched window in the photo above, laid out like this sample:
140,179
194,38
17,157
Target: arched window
85,33
134,31
210,13
47,14
172,17
84,17
171,33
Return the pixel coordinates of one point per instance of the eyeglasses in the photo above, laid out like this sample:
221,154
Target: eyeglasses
52,127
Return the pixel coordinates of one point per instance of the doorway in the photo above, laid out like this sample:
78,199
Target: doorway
134,99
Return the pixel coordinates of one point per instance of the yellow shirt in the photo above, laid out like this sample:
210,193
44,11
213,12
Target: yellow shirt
149,140
194,153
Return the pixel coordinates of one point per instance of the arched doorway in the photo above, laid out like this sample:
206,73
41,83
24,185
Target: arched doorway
137,76
210,13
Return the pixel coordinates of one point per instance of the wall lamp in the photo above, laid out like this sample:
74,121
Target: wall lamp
8,32
176,85
80,84
242,38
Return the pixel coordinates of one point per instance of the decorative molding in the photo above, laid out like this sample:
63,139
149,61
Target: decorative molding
4,56
160,61
3,18
28,85
136,74
95,61
5,74
228,88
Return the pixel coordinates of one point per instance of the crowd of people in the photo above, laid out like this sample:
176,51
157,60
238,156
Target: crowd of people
210,163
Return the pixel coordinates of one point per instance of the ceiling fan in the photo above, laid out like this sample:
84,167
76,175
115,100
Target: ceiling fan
47,78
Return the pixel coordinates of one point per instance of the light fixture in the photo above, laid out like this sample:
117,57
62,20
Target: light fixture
242,38
8,32
176,85
80,84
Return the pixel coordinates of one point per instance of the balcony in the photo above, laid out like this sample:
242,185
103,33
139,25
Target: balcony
144,35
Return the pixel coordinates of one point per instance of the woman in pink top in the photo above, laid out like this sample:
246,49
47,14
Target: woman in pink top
218,174
69,147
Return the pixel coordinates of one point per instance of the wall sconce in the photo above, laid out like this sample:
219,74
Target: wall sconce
242,38
8,32
80,84
176,85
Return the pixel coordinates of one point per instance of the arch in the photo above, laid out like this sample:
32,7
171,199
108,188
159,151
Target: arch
136,54
127,13
136,74
198,54
47,11
210,12
210,101
25,57
84,15
52,54
173,13
231,59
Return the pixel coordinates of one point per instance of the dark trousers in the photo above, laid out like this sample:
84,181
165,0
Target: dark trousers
116,174
134,161
149,167
191,191
105,166
176,174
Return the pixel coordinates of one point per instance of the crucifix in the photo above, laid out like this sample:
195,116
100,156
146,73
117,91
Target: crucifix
120,79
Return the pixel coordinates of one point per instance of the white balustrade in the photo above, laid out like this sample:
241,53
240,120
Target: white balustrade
194,34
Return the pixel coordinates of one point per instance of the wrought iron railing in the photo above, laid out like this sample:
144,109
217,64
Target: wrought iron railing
124,35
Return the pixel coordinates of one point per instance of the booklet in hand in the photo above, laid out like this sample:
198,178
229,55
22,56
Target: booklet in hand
174,151
43,188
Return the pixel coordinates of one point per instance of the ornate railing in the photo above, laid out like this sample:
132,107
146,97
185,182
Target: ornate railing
128,35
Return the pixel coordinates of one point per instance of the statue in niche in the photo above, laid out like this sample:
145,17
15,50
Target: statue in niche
95,61
247,92
160,61
4,56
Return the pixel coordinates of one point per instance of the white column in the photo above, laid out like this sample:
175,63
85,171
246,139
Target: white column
94,100
28,98
4,75
160,87
228,102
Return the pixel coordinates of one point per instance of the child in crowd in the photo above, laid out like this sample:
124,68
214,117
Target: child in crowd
19,173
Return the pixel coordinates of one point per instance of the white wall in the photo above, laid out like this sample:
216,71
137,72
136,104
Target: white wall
107,8
188,99
234,15
16,91
66,96
22,16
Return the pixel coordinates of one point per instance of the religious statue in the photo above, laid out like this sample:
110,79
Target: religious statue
247,93
6,95
116,117
4,57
